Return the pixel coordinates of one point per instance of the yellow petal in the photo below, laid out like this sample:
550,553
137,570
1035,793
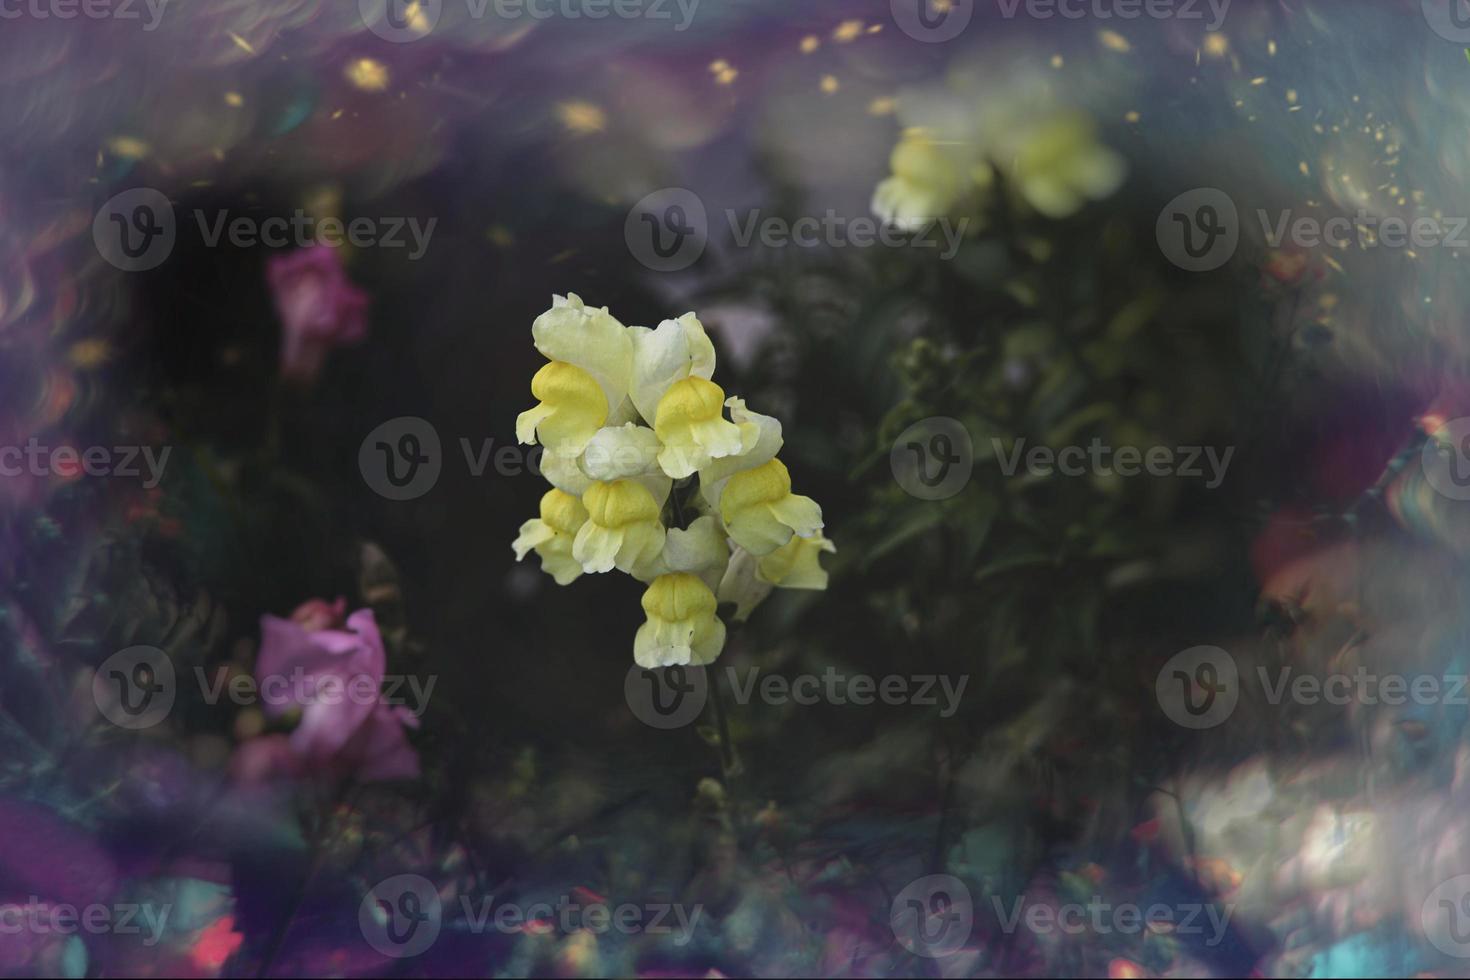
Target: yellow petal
795,565
572,409
690,425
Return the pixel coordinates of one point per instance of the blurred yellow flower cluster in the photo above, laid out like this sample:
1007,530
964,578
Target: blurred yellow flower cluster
958,138
623,413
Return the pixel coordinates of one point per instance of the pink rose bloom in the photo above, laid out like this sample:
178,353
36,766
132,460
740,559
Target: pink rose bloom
335,677
319,308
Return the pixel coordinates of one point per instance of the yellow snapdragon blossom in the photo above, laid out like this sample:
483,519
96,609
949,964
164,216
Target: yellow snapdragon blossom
552,534
748,579
795,564
760,511
676,350
570,409
700,549
926,184
623,529
1061,166
691,427
590,338
682,627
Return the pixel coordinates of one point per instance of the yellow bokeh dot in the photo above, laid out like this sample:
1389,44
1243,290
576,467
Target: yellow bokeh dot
367,74
581,117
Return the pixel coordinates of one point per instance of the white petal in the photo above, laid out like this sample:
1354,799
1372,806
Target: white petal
562,472
698,547
621,451
533,532
741,585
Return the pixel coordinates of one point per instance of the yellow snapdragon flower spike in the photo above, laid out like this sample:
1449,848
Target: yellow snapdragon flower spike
682,627
552,534
691,427
571,408
760,511
625,412
795,564
927,182
623,529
